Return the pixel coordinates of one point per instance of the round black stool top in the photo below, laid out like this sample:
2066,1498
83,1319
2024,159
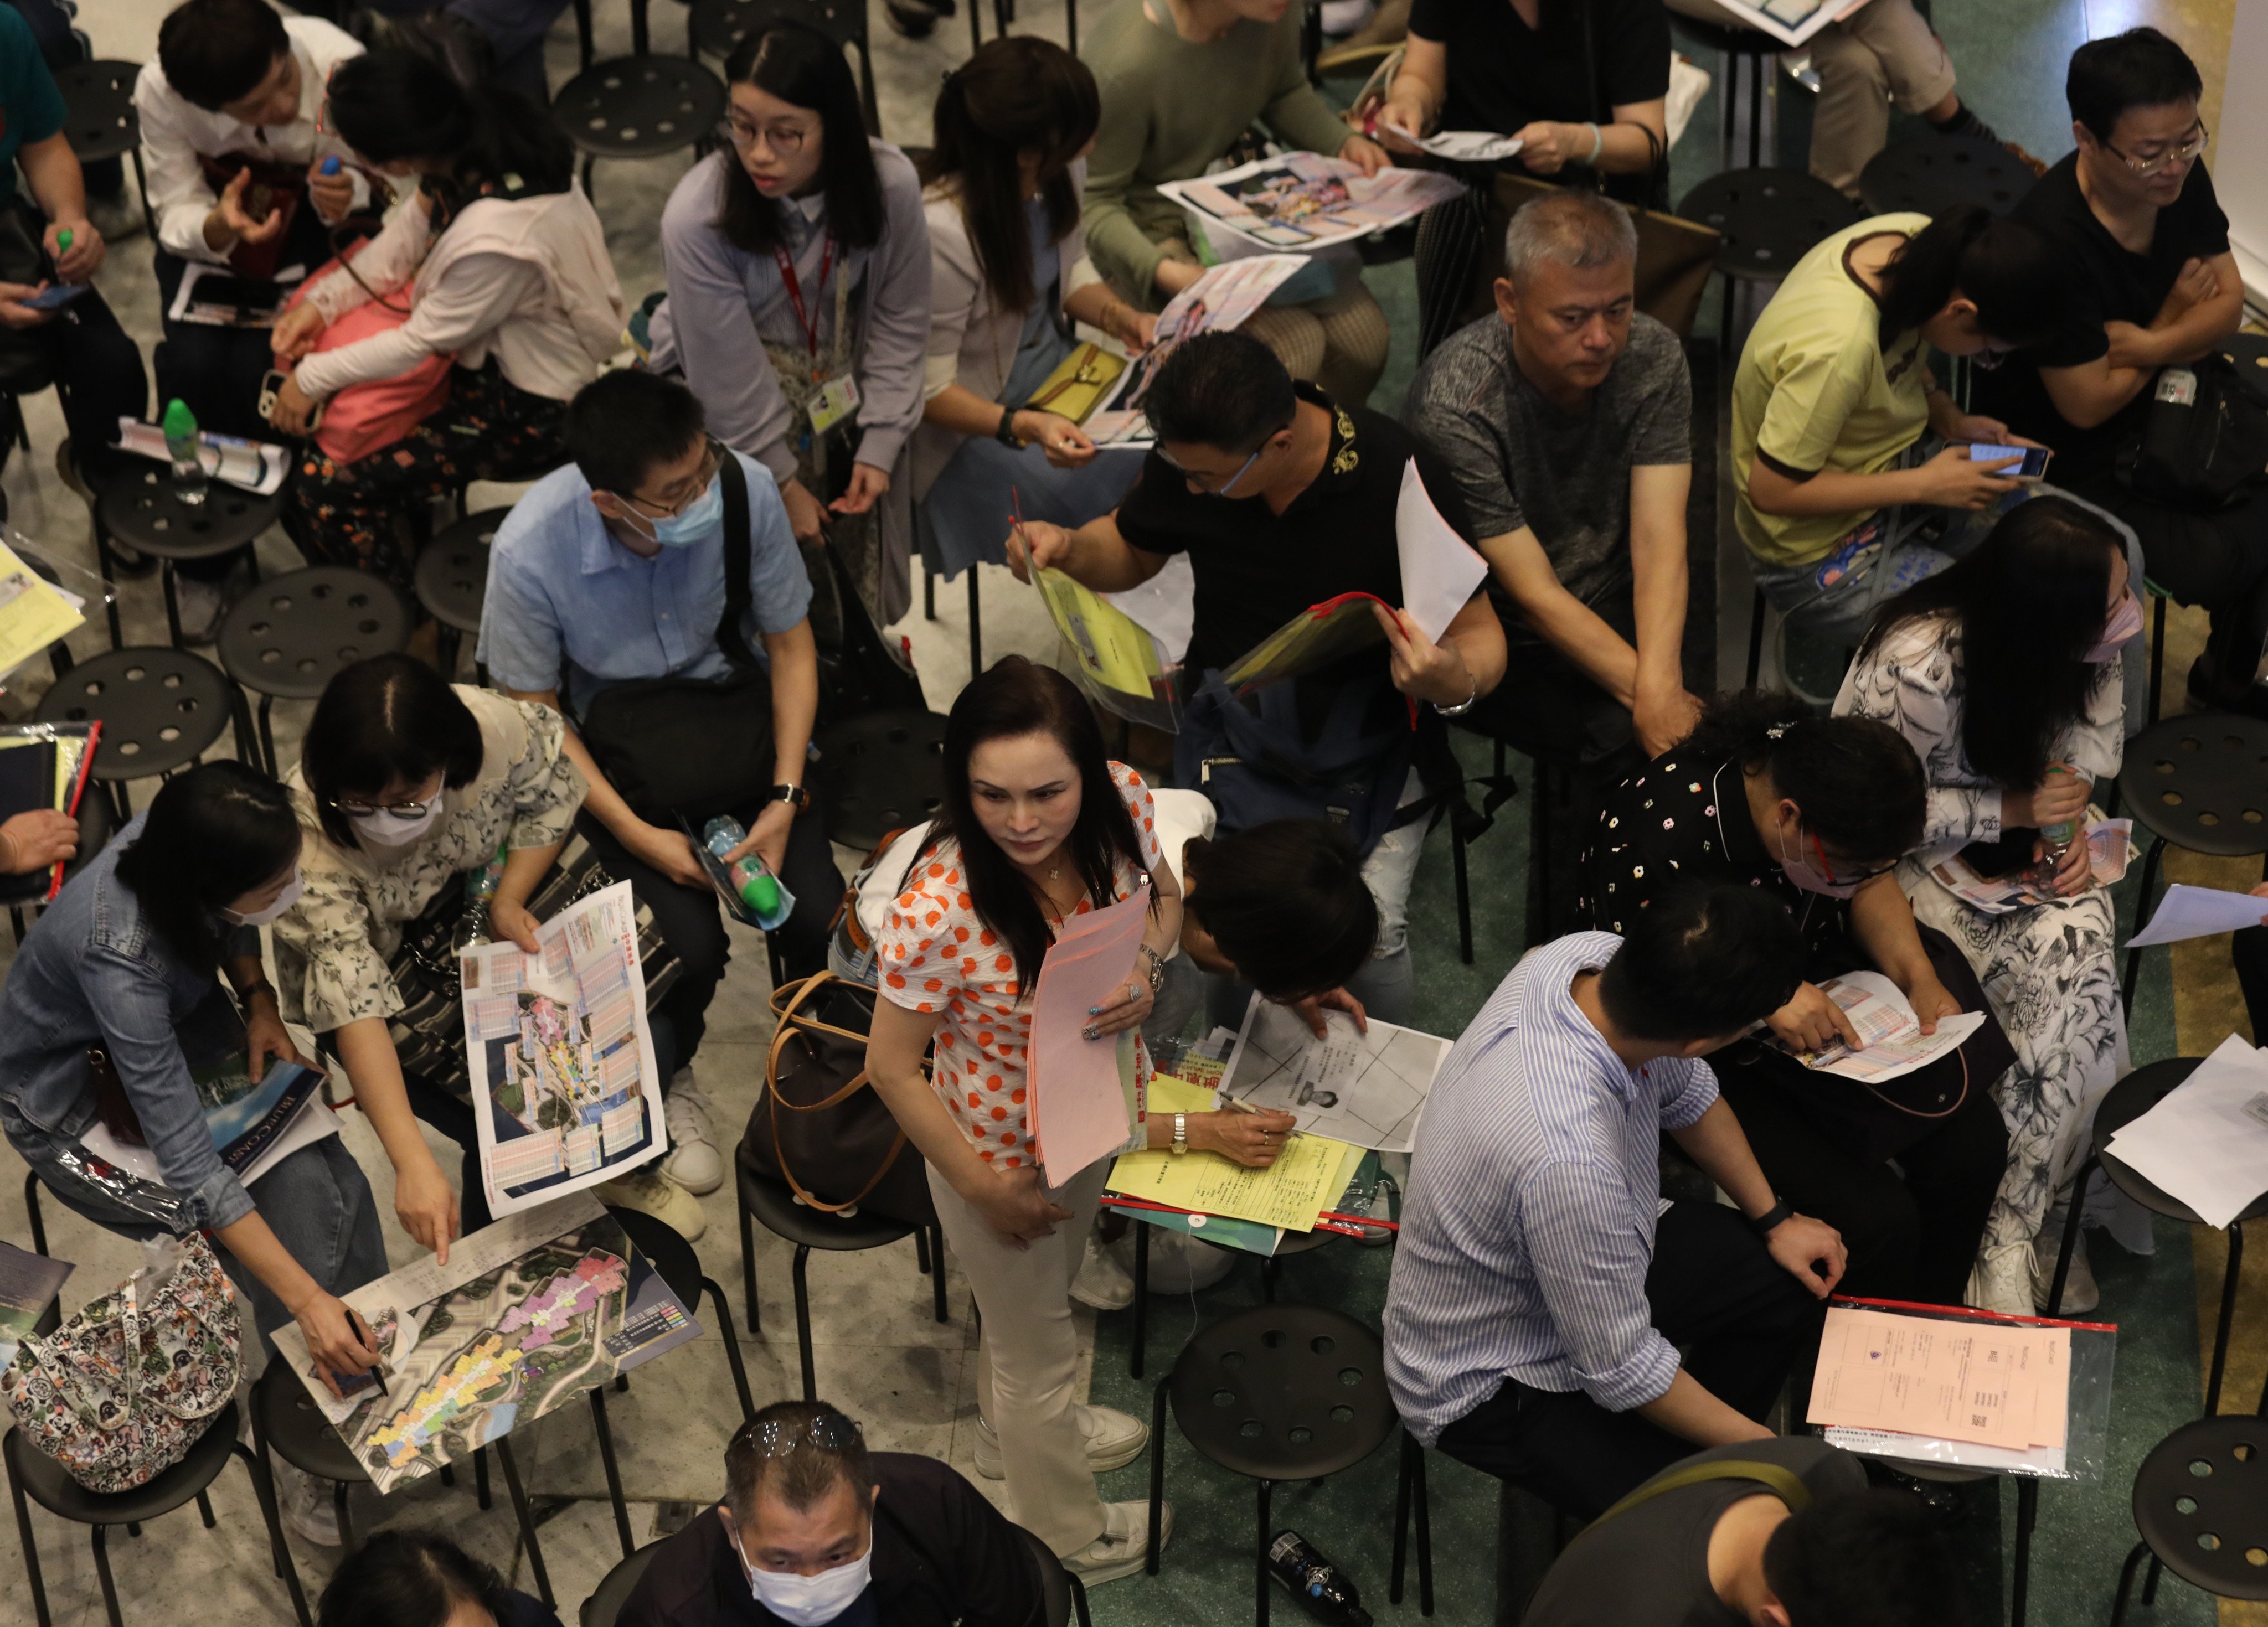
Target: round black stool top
2201,781
1283,1392
1768,218
1933,174
298,1433
2249,353
2201,1503
49,1484
719,25
452,579
161,709
773,1203
666,1249
139,507
2128,1100
639,106
290,634
880,773
99,117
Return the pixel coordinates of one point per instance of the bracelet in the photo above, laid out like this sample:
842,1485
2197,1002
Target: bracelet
1157,974
259,986
1781,1210
1598,146
1473,694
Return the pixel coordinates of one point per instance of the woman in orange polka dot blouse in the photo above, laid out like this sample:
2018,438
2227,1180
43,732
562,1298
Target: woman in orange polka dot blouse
1037,826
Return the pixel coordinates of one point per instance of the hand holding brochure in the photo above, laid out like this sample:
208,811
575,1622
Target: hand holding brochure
1223,297
2109,850
1301,201
1895,1045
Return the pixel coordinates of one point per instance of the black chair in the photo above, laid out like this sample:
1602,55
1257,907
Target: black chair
879,773
774,1203
1933,174
33,1473
1270,1268
1004,17
452,582
680,1266
290,635
1064,1594
2201,783
636,107
1768,219
1280,1392
717,28
1736,47
161,710
99,121
2201,1505
615,1589
139,508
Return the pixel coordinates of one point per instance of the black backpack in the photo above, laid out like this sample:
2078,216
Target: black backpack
2204,436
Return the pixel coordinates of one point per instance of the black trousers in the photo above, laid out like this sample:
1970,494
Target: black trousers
453,1119
693,923
99,378
1716,1295
217,370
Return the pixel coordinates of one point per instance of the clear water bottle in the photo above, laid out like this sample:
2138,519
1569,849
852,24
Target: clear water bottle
1328,1596
180,426
761,890
480,893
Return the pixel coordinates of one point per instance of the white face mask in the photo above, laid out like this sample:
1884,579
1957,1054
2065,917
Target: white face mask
284,900
378,828
810,1601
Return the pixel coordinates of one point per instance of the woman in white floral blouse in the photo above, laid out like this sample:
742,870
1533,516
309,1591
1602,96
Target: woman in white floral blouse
406,784
2002,673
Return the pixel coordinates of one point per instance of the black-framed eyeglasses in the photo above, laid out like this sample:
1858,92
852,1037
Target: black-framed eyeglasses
2176,157
400,810
711,460
784,139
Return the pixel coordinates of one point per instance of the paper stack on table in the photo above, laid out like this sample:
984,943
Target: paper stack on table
1959,1378
1079,1105
2207,1143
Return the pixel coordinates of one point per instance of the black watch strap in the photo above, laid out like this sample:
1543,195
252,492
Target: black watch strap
796,797
1763,1224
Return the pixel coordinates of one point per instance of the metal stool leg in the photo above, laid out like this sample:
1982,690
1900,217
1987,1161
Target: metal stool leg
1401,1520
2142,905
263,1487
23,1534
2019,1584
975,616
2071,1225
2126,1583
732,1347
1755,632
481,1478
101,1545
527,1523
614,1470
921,1249
2227,1316
937,1270
1141,1297
346,1522
1157,1472
1259,1558
205,1510
803,1321
2157,653
268,735
1464,893
1424,1534
32,1205
748,1271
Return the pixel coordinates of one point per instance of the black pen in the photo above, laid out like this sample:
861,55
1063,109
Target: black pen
369,1343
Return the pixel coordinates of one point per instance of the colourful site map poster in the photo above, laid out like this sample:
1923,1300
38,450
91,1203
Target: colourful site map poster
528,1314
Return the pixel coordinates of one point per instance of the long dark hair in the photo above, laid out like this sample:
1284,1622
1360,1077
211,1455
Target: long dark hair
2010,270
396,105
1019,91
1857,779
804,68
1016,697
409,1578
389,718
212,834
2031,600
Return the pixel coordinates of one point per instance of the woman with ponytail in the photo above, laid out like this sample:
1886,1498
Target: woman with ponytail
1834,396
1008,275
497,259
1816,812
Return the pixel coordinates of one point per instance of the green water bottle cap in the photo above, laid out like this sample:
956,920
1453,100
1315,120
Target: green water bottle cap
760,893
179,419
63,240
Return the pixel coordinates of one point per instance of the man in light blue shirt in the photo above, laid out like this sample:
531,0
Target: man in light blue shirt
612,570
1542,1289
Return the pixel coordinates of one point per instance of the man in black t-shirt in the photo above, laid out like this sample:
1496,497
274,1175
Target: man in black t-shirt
2149,284
1730,1551
1282,499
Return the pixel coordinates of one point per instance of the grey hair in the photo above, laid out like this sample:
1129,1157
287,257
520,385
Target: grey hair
1579,229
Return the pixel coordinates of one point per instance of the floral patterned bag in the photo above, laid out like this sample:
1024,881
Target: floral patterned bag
120,1393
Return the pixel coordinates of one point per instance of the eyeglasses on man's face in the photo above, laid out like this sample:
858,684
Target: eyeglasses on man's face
2180,155
1213,484
686,496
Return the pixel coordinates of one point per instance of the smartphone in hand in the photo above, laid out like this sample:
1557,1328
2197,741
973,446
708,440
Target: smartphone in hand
2034,467
56,295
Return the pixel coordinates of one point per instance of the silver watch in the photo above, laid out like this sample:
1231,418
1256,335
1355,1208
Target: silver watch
1181,1134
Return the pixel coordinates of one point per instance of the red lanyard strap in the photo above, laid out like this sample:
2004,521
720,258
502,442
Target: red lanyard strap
789,281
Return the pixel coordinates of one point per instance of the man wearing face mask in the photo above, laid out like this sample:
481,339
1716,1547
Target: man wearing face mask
612,571
1815,812
815,1530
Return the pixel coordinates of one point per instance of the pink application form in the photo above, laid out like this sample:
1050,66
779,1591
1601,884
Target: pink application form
1078,1109
1997,1384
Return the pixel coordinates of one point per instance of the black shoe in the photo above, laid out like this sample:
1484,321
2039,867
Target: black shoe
913,18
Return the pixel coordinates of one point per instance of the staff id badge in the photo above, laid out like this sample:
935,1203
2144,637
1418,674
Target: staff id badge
832,402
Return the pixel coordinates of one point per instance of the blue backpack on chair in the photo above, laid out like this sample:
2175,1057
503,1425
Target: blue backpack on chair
1249,755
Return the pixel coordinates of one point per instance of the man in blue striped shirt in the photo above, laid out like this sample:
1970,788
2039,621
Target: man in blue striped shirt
1542,1289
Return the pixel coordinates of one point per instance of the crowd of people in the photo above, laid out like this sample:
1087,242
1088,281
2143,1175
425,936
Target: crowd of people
845,369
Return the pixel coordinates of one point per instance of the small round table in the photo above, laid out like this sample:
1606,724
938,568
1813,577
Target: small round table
289,637
160,708
879,773
452,580
2201,783
1933,174
1768,219
99,121
139,508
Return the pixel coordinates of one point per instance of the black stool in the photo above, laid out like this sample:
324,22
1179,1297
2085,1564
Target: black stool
615,1590
1280,1392
33,1473
1060,1592
636,107
1292,1243
160,708
2201,1505
452,581
1768,219
1933,174
2201,783
774,1203
99,121
1736,47
98,822
717,28
139,508
665,1248
879,773
291,634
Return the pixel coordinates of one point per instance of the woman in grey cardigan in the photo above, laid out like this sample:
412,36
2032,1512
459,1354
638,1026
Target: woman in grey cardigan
797,269
1007,252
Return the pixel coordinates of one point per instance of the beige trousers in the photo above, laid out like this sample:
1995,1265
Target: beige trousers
1027,1359
1880,54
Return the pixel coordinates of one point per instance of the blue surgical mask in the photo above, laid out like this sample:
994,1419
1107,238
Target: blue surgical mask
695,521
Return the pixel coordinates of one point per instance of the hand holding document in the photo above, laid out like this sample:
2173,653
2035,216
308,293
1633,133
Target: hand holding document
1895,1045
1993,1384
2109,850
2199,912
2207,1143
1439,568
1079,1109
1463,146
1364,1089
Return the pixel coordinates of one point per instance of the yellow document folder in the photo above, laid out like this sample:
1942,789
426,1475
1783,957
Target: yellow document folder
1113,649
1307,1178
33,613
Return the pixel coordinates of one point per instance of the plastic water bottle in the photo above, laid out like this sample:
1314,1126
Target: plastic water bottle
2057,838
480,893
1314,1581
752,878
180,426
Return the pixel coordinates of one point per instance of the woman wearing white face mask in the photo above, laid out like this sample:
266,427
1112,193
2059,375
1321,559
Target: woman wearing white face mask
2002,673
123,963
1816,812
407,782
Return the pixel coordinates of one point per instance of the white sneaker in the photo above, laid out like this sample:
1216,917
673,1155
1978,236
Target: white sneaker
693,1160
2001,1280
2081,1291
650,1192
202,604
306,1504
1124,1544
1344,16
1114,1440
1103,1282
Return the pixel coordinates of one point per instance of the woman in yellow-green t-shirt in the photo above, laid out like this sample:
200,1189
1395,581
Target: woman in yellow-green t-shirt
1833,390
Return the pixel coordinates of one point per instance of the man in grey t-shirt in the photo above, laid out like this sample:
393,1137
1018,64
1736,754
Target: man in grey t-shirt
1565,418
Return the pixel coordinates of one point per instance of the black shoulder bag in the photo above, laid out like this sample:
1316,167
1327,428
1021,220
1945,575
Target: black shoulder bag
694,747
2205,438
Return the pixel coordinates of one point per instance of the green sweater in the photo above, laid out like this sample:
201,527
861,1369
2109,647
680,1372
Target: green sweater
1169,108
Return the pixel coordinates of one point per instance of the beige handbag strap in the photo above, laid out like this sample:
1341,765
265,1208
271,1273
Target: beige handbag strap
787,1003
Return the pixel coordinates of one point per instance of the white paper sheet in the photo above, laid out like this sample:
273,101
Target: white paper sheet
1439,568
2208,1143
2188,911
1365,1089
1165,607
1895,1045
1301,201
1465,146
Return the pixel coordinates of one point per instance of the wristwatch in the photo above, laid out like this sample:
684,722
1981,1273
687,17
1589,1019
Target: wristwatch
1005,434
1157,972
1763,1224
1181,1134
796,797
